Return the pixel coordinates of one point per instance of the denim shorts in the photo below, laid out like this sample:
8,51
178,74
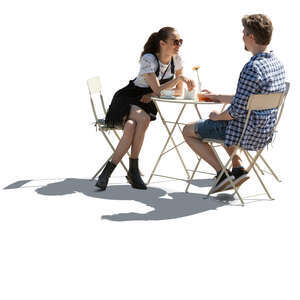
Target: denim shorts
211,129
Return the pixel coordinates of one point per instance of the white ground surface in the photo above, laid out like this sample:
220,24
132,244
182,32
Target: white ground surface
60,238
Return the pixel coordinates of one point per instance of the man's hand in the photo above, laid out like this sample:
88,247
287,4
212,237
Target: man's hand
209,95
146,99
223,116
227,99
214,116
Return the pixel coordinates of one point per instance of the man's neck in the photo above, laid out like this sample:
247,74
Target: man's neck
258,49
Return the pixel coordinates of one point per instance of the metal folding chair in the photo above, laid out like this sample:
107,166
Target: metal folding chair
94,87
247,154
261,158
256,102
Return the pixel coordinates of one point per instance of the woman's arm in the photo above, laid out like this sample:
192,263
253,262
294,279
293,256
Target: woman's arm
178,90
156,87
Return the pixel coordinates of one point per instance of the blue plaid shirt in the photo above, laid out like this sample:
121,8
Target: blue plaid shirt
263,74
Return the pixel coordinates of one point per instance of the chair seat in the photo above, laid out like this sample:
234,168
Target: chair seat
213,141
104,126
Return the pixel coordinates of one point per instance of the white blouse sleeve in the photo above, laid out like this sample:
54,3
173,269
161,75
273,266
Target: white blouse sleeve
178,62
148,64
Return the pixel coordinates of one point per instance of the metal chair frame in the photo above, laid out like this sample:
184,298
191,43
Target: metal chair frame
94,87
256,102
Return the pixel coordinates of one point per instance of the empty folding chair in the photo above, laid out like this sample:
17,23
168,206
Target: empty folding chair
94,87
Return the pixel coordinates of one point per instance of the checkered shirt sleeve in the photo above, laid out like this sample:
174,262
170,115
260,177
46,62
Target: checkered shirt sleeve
248,84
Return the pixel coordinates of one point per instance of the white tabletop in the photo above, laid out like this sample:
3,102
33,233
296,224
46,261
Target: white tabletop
182,100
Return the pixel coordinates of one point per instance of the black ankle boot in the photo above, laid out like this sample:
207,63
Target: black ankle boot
133,175
104,176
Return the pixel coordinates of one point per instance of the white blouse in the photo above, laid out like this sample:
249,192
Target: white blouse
148,64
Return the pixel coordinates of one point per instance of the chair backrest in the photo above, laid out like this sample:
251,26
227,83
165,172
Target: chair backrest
94,86
265,101
287,88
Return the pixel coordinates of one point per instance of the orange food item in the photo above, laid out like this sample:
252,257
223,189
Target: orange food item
203,98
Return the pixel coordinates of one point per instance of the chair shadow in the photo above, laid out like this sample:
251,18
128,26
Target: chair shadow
202,182
165,205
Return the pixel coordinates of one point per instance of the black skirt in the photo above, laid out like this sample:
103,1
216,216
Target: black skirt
124,98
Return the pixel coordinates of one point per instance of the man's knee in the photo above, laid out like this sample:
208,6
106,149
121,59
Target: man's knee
188,130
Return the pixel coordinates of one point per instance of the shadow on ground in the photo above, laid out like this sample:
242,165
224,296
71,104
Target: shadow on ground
165,205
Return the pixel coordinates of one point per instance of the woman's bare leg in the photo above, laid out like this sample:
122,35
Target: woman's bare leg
125,142
142,120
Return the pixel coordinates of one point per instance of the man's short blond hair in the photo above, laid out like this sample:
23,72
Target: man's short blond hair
260,26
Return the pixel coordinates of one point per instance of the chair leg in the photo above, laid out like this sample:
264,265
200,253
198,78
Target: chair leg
252,165
224,170
190,180
113,149
101,169
270,169
262,183
258,167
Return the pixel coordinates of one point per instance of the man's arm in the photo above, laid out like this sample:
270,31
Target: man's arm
248,84
216,116
218,98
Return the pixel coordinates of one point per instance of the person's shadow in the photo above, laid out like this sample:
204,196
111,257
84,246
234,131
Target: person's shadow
165,206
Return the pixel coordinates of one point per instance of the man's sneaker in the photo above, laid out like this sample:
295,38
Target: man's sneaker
223,182
240,176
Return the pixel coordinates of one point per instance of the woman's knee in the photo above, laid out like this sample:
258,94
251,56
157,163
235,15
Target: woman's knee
141,118
129,127
144,121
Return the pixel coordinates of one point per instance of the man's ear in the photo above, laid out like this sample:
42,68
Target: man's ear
251,36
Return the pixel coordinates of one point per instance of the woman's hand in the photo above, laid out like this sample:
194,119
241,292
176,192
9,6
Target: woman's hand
189,82
146,99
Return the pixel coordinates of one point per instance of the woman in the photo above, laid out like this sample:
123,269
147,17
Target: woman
132,107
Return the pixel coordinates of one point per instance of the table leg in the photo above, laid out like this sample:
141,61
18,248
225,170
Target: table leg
168,139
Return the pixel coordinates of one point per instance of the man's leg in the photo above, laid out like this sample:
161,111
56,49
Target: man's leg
236,160
202,149
208,129
238,171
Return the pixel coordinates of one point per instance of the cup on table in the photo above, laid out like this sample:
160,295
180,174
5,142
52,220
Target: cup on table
167,93
191,95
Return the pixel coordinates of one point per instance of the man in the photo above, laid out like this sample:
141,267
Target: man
263,74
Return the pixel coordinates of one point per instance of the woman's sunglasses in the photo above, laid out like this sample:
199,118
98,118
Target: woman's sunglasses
177,42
